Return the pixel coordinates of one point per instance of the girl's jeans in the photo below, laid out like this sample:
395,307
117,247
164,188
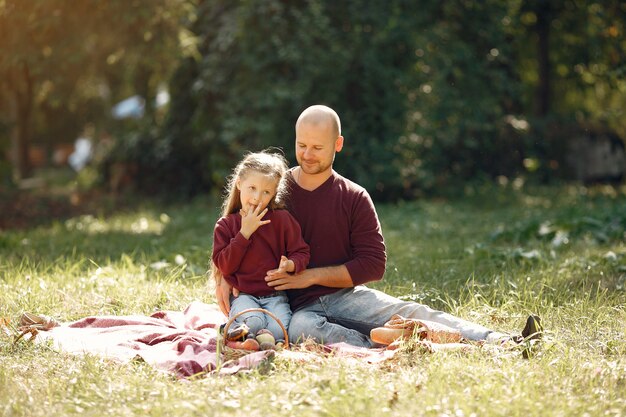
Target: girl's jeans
277,303
348,315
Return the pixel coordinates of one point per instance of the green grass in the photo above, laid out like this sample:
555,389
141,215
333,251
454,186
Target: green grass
493,257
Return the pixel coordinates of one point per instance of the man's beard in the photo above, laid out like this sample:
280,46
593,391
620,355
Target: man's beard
315,168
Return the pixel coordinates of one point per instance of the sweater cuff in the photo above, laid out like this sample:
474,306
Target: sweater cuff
299,265
361,275
240,240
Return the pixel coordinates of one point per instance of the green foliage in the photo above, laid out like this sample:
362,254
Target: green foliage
65,64
245,94
583,85
428,96
460,124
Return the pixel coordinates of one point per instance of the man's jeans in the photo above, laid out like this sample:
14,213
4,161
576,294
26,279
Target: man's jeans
277,303
348,316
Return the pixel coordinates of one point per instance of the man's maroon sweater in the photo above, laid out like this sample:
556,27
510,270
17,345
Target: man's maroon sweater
340,224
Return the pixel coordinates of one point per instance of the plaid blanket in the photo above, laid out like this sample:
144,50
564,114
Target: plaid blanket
185,342
181,342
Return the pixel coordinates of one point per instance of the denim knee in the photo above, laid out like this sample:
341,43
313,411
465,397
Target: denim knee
303,325
254,322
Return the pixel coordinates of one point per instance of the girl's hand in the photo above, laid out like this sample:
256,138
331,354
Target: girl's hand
286,265
285,268
251,220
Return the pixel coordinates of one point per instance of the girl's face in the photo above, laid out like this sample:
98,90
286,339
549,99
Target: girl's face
256,189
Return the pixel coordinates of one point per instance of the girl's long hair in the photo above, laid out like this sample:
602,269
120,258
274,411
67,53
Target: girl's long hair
273,165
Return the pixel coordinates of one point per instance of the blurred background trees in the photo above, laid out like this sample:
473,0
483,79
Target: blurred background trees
431,94
63,64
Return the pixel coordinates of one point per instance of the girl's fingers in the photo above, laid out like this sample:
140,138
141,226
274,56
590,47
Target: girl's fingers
260,214
265,222
253,211
264,211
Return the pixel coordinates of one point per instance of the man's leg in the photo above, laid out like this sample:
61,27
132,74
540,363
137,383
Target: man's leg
363,309
311,322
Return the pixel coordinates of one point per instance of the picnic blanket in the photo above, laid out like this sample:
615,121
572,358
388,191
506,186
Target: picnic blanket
185,342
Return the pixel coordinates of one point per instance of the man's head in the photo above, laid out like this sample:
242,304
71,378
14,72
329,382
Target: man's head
318,137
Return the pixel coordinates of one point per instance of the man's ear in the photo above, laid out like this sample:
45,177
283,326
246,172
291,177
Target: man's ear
339,144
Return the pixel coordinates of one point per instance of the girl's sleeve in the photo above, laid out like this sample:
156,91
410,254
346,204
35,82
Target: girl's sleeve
229,247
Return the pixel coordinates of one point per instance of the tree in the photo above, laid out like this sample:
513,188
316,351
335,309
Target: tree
466,94
28,32
66,59
571,60
264,62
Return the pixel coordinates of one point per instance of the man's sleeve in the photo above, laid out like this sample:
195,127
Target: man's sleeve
366,241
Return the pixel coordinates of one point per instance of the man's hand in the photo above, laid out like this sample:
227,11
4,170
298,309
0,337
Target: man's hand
222,294
331,276
281,280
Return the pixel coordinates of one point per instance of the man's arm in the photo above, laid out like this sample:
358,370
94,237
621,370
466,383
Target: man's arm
222,294
330,276
366,239
368,254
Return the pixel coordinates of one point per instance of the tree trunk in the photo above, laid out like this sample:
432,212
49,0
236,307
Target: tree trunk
21,96
142,86
544,93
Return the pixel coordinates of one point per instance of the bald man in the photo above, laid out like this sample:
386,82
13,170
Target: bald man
329,300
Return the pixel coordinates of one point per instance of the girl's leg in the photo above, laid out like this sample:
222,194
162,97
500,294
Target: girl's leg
254,320
279,306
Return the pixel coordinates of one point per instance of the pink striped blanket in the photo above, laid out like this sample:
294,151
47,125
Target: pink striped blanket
181,342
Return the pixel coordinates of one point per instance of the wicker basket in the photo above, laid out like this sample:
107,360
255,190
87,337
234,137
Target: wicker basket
229,353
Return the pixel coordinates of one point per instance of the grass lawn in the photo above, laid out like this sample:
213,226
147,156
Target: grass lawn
493,257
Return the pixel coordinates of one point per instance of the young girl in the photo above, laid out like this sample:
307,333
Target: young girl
253,236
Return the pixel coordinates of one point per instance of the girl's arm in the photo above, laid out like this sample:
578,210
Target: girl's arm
229,247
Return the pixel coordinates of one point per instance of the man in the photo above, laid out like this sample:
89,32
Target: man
340,224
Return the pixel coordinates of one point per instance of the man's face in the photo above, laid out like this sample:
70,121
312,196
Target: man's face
316,145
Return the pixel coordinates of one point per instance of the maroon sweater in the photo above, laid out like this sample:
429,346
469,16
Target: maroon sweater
340,224
244,262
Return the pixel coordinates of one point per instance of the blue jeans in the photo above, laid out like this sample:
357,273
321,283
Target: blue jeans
348,315
277,303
